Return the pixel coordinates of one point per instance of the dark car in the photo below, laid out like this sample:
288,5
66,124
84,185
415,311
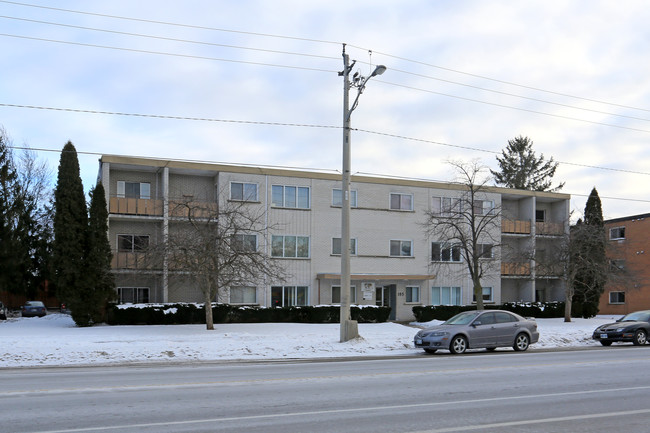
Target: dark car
33,308
633,327
3,311
487,329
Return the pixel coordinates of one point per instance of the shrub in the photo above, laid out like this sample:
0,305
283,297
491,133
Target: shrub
540,310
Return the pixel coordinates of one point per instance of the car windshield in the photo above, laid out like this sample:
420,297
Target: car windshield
639,316
462,318
34,304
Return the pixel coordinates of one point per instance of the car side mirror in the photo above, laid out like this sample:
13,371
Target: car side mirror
476,323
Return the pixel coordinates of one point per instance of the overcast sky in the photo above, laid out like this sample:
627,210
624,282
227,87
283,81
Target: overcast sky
255,82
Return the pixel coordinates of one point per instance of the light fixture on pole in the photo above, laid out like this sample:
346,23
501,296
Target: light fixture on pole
349,328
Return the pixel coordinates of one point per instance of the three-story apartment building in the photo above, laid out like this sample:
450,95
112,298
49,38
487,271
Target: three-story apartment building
394,262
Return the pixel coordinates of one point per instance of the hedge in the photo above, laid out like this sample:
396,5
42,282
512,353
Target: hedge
181,313
540,310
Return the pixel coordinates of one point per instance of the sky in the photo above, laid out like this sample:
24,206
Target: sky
55,340
256,82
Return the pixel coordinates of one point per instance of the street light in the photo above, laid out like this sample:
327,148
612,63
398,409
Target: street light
349,328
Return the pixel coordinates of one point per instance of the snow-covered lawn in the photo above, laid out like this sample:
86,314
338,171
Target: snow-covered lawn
55,340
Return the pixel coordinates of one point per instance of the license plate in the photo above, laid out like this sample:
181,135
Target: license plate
603,335
418,341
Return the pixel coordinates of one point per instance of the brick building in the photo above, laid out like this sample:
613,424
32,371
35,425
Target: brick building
628,249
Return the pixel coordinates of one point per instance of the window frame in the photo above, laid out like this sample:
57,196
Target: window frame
290,201
454,208
482,248
618,293
289,296
401,195
339,202
235,242
409,291
353,294
137,292
452,247
244,196
543,214
122,189
296,246
132,242
483,208
490,297
243,302
620,234
353,246
454,295
401,249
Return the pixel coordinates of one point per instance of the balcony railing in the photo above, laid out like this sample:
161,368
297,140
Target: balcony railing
198,209
515,226
135,206
130,260
550,270
514,269
554,229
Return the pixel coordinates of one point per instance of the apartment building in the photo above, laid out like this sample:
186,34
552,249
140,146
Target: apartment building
628,251
394,263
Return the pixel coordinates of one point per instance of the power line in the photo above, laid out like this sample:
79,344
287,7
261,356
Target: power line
167,23
339,43
304,125
168,39
170,54
559,116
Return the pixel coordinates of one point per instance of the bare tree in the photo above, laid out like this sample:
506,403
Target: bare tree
468,226
218,246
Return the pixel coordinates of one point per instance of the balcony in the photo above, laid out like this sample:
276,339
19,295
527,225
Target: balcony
549,229
135,206
199,209
515,269
129,260
515,226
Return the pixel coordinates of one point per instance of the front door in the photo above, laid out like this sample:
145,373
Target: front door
385,296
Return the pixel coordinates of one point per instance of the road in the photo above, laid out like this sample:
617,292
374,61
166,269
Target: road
597,390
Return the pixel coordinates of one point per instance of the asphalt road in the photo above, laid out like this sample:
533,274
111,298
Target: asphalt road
599,390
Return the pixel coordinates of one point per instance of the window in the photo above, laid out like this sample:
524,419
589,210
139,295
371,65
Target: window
399,248
336,246
296,197
336,295
446,206
243,295
288,296
484,251
244,243
483,207
487,295
540,215
133,295
243,191
290,246
617,297
617,264
337,198
401,201
617,233
132,243
442,252
133,189
445,296
412,294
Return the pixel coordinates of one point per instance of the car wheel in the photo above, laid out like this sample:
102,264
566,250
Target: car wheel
458,345
605,343
430,351
640,338
521,342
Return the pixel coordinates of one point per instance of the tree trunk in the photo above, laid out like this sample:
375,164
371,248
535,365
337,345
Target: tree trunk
567,309
209,320
478,294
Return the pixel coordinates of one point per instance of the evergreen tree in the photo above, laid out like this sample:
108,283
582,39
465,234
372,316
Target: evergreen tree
70,233
11,253
99,255
590,258
522,169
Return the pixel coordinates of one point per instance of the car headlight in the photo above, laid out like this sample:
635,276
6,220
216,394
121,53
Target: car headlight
438,334
620,329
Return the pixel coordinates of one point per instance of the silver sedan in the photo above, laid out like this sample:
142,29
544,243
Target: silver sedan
487,329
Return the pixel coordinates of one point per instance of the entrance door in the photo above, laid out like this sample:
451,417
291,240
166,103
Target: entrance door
386,297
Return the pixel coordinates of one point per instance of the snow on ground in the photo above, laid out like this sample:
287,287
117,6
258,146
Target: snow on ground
55,340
